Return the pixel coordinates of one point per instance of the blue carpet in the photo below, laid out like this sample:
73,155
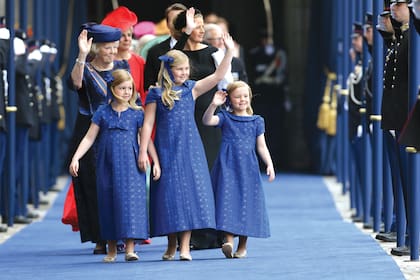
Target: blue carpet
309,241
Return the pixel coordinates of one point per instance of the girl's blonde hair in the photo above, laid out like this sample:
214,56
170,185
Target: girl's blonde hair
239,84
120,76
164,78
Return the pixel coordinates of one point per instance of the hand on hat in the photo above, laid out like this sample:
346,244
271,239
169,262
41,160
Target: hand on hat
84,43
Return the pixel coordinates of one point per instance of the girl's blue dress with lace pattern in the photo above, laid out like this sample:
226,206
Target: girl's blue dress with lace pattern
122,200
182,199
236,178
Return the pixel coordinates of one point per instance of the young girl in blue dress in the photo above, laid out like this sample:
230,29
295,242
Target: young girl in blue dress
182,199
121,184
236,179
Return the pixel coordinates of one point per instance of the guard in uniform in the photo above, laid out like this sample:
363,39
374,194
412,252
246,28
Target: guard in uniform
267,73
394,110
368,38
34,65
50,115
355,102
4,49
386,30
25,117
57,108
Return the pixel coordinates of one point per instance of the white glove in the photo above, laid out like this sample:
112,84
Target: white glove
392,133
45,49
359,131
35,55
19,46
4,33
382,24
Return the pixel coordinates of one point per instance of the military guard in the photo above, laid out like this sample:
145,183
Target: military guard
368,38
267,73
355,103
34,65
25,117
394,110
4,49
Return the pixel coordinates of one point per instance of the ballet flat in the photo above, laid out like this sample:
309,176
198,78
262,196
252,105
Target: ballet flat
185,257
110,259
129,257
227,249
239,255
168,257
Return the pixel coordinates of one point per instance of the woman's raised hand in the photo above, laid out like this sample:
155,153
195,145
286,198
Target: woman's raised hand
228,41
84,43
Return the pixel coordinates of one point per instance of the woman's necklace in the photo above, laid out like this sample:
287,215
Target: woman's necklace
109,66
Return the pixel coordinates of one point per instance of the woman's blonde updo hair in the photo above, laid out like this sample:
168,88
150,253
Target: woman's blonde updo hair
120,76
239,84
164,78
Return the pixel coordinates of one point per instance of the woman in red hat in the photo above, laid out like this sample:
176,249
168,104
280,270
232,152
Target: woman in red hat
124,19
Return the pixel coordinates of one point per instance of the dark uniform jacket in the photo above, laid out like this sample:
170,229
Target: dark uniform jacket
4,47
395,91
26,114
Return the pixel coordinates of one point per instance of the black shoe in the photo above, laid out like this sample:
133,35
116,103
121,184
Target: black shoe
32,215
100,249
43,202
22,220
357,219
367,226
387,236
400,251
3,228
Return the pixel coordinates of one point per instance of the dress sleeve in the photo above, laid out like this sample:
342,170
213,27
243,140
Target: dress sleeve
189,84
97,116
260,126
140,119
222,118
153,95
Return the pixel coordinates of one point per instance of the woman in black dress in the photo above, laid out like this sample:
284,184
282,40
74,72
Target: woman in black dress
202,64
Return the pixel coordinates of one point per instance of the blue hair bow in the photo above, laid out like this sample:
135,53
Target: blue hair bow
227,105
167,61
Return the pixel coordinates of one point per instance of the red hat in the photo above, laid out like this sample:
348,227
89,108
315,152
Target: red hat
121,18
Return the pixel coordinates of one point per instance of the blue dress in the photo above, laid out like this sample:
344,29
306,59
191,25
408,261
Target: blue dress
182,199
91,95
237,185
121,186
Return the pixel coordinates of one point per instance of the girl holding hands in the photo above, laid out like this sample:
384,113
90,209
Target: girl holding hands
121,185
